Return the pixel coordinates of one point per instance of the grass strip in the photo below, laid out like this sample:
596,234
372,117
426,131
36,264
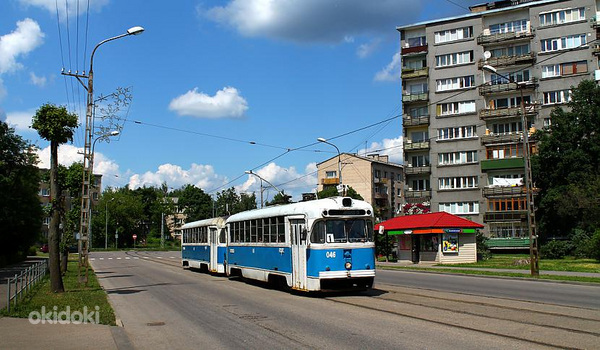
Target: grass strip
494,273
76,298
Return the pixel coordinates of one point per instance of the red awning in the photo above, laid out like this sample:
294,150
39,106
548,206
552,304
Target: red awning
425,221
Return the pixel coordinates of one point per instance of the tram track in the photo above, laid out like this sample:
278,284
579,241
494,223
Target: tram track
555,326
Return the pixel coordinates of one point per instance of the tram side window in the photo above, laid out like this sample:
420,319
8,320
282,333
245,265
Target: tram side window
259,230
318,232
281,229
222,235
273,226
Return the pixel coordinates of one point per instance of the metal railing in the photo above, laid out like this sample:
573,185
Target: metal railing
22,283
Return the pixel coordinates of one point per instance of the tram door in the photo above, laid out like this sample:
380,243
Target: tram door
298,237
214,240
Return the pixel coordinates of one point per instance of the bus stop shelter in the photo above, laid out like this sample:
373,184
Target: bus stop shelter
441,237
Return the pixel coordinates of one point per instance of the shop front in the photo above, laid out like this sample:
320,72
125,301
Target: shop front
435,237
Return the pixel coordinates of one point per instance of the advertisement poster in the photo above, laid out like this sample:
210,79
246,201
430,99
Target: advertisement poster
450,243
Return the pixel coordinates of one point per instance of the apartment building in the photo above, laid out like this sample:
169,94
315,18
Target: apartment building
374,177
463,81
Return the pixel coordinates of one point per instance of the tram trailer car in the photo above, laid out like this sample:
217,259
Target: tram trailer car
325,244
204,245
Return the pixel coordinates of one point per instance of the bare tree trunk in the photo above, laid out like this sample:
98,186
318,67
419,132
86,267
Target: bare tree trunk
64,260
56,283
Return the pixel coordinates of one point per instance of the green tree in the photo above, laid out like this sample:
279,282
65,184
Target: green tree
247,202
196,203
56,125
567,166
20,210
331,191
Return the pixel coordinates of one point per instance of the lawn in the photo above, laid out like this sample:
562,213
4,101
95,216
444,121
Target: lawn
75,297
508,261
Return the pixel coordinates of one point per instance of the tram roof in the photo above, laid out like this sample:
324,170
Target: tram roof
313,209
218,221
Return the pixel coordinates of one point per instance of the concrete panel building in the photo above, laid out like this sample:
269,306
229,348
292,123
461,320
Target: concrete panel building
374,177
462,121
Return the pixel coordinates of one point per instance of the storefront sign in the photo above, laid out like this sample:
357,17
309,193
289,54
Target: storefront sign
453,230
407,232
450,243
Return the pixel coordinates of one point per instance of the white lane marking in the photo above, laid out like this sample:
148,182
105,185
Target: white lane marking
159,257
92,258
146,257
172,257
118,258
127,258
101,258
136,258
109,258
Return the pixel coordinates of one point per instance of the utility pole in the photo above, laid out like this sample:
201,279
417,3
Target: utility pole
162,230
88,158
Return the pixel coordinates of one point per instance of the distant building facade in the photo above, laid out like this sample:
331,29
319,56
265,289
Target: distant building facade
379,181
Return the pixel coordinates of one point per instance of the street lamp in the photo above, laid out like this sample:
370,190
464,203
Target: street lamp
250,172
320,139
85,221
533,252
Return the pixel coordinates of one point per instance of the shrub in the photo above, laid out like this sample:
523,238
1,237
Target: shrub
483,251
581,243
595,245
555,249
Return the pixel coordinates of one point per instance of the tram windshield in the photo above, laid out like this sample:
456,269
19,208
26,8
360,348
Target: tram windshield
342,231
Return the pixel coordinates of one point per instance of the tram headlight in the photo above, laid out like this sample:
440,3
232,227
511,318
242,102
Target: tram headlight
348,265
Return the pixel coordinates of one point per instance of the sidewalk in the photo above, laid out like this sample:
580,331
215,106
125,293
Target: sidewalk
19,333
524,272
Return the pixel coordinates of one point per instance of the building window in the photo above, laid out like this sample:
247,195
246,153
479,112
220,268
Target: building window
508,102
509,27
454,108
455,83
557,70
460,207
566,42
454,183
453,59
556,97
418,111
414,63
416,41
509,230
519,76
461,132
420,185
507,204
47,220
453,34
419,161
507,128
562,16
416,89
453,158
331,174
516,50
504,151
45,192
419,136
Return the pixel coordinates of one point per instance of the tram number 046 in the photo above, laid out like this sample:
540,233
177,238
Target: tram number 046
330,255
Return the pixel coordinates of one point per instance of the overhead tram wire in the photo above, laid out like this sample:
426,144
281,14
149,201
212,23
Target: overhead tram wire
87,22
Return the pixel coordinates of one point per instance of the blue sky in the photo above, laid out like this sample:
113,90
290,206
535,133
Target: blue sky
208,77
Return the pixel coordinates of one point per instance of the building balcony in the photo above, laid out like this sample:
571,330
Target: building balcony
531,110
378,195
501,164
507,87
415,146
408,97
504,191
508,60
417,170
595,23
380,180
487,38
408,120
330,181
505,216
492,139
414,50
596,50
411,73
421,194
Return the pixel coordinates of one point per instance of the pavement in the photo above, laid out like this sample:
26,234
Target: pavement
20,333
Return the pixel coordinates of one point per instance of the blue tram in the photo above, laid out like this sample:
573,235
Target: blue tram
204,244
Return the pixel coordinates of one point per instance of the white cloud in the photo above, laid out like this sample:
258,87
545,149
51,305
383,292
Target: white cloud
37,81
71,5
2,90
313,20
202,176
20,121
20,42
226,103
288,180
366,49
69,154
392,71
390,147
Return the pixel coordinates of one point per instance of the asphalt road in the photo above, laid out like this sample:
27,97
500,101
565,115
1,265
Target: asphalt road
162,305
587,296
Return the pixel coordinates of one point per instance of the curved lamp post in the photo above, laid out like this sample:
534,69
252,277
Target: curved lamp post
320,139
533,252
250,172
85,221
